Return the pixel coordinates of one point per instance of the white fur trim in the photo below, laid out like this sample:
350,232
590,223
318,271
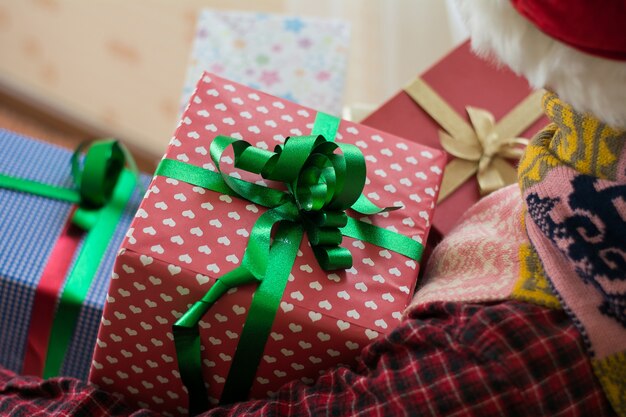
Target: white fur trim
588,83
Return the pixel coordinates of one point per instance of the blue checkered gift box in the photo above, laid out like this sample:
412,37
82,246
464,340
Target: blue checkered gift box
29,228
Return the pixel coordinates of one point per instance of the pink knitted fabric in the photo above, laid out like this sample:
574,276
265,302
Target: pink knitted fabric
478,260
564,234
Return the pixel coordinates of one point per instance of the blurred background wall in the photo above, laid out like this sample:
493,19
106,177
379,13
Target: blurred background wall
117,67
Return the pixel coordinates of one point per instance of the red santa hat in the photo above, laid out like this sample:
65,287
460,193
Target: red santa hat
576,48
597,28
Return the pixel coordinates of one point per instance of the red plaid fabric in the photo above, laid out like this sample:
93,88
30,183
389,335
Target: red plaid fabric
446,359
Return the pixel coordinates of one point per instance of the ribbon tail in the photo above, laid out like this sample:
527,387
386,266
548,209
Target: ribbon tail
498,174
455,174
36,188
81,276
187,345
325,125
383,238
364,205
187,338
433,104
259,256
265,304
462,147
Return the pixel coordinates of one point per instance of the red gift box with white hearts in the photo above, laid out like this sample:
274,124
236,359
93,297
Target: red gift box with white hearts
184,237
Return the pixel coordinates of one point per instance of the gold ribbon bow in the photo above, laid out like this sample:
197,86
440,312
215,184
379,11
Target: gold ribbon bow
482,146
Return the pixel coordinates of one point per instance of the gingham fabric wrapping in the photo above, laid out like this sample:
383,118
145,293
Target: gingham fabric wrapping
29,228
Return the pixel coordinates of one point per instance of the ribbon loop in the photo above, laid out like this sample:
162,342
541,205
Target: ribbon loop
329,218
470,151
253,159
101,168
317,180
292,155
95,180
84,218
332,257
324,236
97,177
479,146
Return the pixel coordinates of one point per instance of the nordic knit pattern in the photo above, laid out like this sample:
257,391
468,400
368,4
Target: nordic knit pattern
576,221
564,236
487,257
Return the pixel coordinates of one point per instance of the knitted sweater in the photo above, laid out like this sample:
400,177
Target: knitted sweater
557,240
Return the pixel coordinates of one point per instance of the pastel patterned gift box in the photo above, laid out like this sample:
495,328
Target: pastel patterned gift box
184,237
301,59
32,227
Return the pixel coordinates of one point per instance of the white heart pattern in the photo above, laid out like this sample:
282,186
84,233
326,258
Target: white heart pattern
184,237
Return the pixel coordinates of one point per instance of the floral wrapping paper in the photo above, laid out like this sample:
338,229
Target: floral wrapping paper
303,60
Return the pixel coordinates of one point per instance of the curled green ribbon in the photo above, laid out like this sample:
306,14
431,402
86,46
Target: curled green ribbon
102,190
323,180
95,180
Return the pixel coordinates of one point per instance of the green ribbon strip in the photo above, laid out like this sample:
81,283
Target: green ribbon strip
356,229
263,309
103,189
84,270
321,185
37,188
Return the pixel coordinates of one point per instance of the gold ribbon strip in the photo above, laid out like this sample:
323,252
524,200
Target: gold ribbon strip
482,146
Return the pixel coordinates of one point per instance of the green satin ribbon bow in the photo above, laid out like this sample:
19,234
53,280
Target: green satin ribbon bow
102,190
321,185
94,179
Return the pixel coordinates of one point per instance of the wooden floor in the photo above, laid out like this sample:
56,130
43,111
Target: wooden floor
26,120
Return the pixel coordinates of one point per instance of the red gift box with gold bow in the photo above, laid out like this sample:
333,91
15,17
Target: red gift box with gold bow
479,113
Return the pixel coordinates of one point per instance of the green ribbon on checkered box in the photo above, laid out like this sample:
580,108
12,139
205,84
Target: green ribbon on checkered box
102,189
